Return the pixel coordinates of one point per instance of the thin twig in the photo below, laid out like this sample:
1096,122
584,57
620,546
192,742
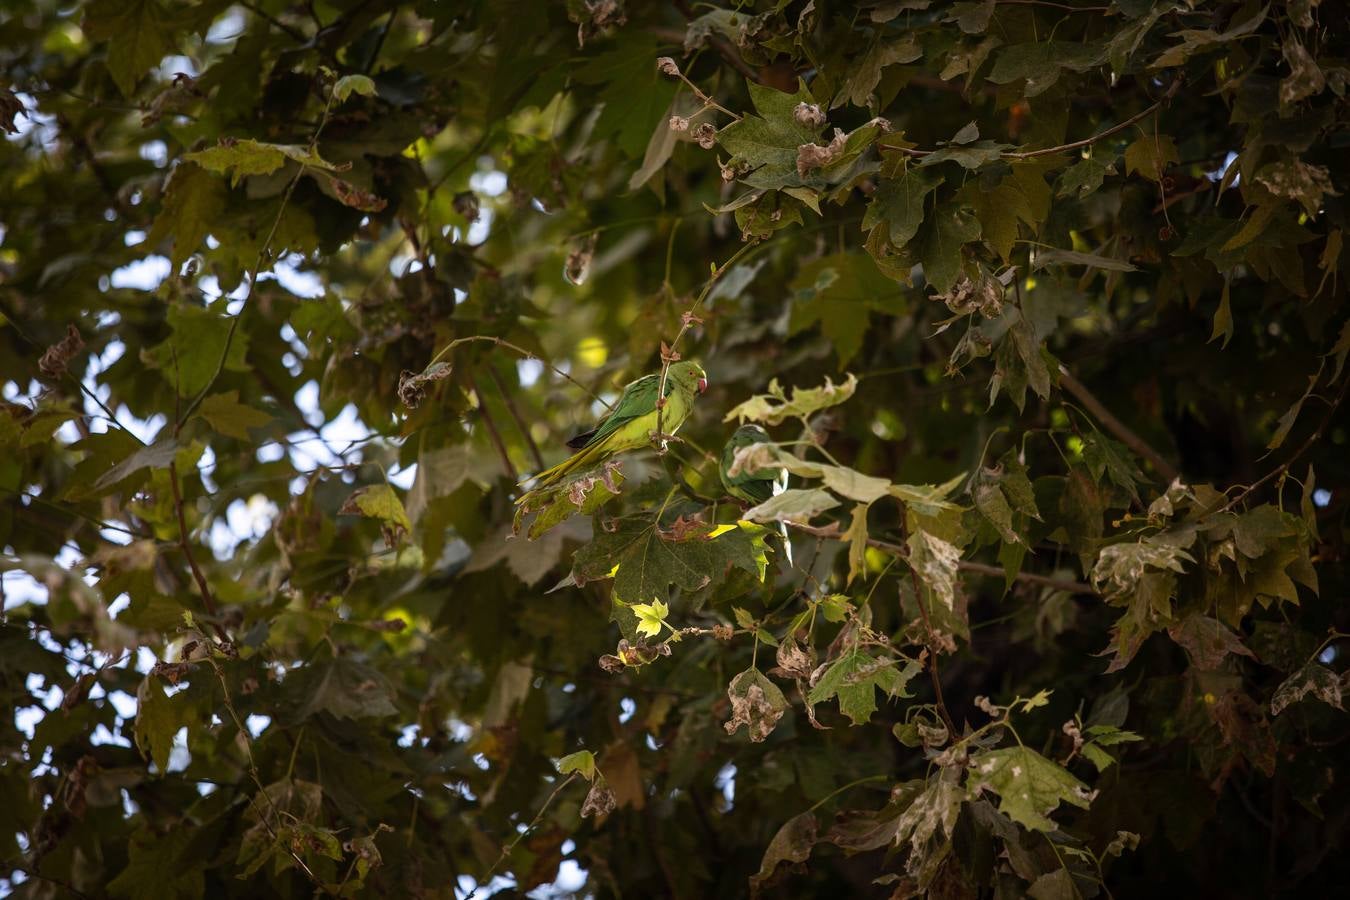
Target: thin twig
1303,448
933,673
492,431
1072,145
521,424
207,599
520,835
1118,428
832,532
297,35
257,266
257,780
687,319
523,352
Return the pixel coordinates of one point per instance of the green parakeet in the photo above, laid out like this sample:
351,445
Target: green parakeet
629,425
753,488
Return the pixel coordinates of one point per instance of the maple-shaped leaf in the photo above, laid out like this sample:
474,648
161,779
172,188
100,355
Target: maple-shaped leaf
838,293
775,407
230,417
161,867
899,204
645,560
1029,786
139,34
377,501
193,203
189,357
769,142
855,677
945,232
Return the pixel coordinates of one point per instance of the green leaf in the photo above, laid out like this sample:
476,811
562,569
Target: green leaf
944,234
1039,63
791,844
633,95
650,560
972,156
161,867
899,204
1030,787
1085,177
344,687
1223,319
189,357
936,561
138,33
838,293
155,456
193,204
158,719
1150,156
1057,257
582,762
1207,641
769,142
855,677
353,84
377,501
230,417
1056,885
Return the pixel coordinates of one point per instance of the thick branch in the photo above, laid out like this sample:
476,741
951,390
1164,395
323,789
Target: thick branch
1118,428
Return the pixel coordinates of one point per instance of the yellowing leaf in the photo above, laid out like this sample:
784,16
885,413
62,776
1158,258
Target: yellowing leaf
650,617
582,762
353,84
192,205
1150,155
241,158
378,501
1030,787
230,417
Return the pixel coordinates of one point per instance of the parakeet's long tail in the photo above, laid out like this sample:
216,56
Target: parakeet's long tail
577,461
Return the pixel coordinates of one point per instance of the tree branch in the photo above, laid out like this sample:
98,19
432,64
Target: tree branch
521,424
1118,428
1072,145
493,433
832,532
208,600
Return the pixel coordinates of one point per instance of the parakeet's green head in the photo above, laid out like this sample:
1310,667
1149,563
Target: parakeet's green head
747,435
688,376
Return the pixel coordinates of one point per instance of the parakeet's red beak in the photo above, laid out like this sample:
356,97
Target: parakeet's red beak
702,385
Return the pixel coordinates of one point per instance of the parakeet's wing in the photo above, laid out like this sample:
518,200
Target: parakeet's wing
638,399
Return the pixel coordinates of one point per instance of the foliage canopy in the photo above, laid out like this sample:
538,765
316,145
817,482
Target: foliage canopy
1042,307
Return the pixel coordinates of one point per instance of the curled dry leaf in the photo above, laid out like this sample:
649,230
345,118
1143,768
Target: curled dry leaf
756,703
56,359
600,800
412,386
